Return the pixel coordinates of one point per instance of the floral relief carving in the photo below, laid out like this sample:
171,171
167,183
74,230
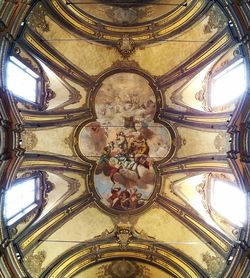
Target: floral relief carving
202,95
216,20
30,140
33,262
69,140
215,264
221,142
37,19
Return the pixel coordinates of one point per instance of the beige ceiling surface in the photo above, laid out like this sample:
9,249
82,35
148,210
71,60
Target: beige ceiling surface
130,186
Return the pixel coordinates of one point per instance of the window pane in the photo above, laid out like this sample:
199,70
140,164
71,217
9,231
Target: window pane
20,199
229,84
21,214
229,201
20,81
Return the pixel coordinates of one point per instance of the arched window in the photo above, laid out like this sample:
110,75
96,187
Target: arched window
228,84
228,201
21,80
20,199
216,198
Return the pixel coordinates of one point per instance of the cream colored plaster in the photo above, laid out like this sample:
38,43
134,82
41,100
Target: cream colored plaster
173,51
187,189
20,105
165,228
56,84
59,86
196,142
62,193
188,94
54,197
86,225
20,227
167,183
90,57
51,140
83,92
167,95
82,188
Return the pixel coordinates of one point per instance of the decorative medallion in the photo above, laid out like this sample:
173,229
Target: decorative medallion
123,269
126,46
126,141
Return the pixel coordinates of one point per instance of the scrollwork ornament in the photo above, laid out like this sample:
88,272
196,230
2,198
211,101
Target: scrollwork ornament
123,234
126,46
202,95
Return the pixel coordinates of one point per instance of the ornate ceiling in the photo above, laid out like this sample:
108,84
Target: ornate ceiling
123,140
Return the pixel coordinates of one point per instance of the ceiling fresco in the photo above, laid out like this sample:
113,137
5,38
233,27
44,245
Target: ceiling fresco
123,141
126,12
124,268
126,141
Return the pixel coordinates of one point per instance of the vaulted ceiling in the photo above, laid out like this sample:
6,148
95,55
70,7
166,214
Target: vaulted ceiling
123,139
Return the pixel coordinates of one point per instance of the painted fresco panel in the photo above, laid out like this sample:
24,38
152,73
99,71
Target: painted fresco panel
125,141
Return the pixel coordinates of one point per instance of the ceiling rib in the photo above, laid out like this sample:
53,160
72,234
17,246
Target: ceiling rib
34,235
209,235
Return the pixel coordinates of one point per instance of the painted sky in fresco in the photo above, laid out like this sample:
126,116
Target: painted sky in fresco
125,141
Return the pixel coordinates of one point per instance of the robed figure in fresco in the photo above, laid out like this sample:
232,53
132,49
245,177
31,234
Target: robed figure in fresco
121,161
125,141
